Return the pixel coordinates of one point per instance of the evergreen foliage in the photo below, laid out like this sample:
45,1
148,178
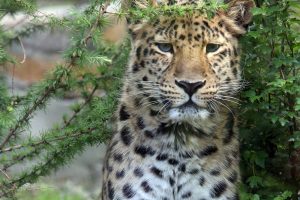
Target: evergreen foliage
269,117
270,110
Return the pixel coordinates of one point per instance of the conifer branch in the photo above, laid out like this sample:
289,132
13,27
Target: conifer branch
50,140
51,89
48,91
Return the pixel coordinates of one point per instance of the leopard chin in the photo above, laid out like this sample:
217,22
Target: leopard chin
188,114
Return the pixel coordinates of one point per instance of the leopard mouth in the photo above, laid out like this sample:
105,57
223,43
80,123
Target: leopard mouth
188,111
190,104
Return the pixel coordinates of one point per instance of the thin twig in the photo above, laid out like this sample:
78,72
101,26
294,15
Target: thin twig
13,182
81,107
62,128
5,174
23,50
19,158
102,10
13,79
8,178
48,141
48,91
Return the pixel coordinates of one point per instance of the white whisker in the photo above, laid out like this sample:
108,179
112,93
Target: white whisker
229,100
230,97
164,106
224,105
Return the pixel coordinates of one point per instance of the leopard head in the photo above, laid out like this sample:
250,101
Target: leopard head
188,67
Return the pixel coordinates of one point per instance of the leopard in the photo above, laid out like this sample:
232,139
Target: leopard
176,134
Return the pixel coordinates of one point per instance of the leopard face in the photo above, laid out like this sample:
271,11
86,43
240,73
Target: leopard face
187,67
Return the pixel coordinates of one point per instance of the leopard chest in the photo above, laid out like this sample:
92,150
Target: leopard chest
158,170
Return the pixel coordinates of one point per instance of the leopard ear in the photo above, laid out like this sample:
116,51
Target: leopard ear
140,4
238,15
135,25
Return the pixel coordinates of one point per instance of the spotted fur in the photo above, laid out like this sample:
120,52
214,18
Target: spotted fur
176,134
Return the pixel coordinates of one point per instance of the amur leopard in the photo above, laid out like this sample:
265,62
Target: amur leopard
177,134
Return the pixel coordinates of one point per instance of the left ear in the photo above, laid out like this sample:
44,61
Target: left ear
237,16
135,25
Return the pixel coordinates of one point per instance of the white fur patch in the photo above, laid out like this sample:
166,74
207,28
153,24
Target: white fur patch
188,114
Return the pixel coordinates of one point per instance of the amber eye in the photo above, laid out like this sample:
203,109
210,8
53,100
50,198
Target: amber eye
211,47
165,47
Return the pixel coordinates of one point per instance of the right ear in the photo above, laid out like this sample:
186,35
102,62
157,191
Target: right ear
238,15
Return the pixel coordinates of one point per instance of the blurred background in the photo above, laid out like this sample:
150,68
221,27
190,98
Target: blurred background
37,55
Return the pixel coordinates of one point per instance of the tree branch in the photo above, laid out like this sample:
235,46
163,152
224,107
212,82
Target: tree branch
51,90
48,141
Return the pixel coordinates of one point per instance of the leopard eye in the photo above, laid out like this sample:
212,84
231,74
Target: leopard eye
211,47
165,47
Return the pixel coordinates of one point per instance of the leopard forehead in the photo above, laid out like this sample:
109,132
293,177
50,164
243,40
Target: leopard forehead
186,29
190,32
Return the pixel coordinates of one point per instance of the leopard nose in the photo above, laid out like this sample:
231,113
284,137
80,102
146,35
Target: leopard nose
190,88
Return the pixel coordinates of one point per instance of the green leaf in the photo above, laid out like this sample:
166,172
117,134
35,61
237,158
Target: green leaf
285,195
283,121
274,119
260,158
259,11
297,106
256,197
251,95
255,181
